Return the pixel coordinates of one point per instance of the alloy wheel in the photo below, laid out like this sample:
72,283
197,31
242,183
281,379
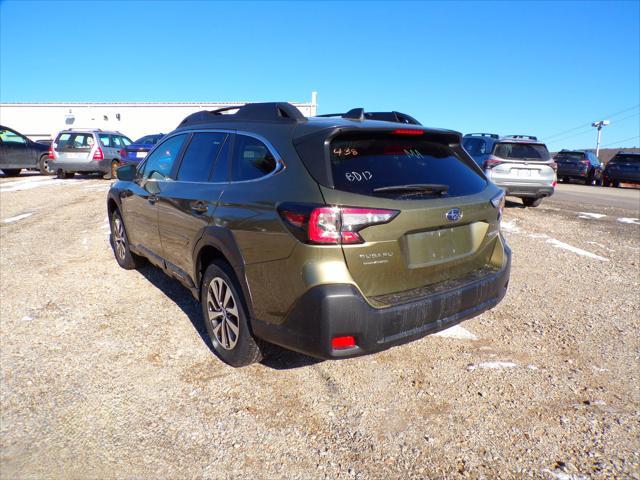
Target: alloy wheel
118,238
223,313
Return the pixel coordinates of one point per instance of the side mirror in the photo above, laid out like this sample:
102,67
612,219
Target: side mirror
126,173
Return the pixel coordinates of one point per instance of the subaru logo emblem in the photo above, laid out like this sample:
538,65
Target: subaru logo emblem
454,215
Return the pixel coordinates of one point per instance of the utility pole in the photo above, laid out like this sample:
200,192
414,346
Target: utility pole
599,125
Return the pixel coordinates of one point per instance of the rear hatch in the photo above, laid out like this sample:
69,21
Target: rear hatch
625,166
74,146
445,226
520,163
571,163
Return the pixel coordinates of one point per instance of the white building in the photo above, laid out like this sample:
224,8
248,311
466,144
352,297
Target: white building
45,120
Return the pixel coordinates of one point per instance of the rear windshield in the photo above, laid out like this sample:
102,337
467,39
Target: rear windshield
148,140
360,165
474,146
521,151
75,141
626,159
569,156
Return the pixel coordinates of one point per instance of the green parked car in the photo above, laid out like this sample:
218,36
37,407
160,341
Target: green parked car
334,237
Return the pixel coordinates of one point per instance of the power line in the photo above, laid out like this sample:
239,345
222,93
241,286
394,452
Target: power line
620,141
588,129
589,124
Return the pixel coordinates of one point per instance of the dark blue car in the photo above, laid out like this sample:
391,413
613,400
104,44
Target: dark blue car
132,154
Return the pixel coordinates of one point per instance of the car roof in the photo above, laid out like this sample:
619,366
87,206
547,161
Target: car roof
285,119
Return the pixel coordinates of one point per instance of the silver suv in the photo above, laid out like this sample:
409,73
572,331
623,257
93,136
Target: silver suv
519,164
87,151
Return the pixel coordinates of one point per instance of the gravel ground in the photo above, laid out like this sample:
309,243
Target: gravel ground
106,373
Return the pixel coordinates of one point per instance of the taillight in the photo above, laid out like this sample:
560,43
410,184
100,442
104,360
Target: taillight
98,155
123,153
408,131
498,202
51,152
331,225
492,162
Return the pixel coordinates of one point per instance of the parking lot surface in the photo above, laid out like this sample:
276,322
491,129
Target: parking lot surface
106,373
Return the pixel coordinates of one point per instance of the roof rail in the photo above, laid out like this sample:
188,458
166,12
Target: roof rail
249,112
359,114
88,129
490,135
525,137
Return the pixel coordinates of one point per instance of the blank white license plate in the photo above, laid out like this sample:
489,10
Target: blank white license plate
76,155
141,154
523,172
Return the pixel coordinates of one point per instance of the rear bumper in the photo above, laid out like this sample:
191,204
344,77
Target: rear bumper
573,172
622,177
534,191
328,311
81,166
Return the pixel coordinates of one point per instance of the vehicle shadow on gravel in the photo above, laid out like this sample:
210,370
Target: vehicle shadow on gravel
276,358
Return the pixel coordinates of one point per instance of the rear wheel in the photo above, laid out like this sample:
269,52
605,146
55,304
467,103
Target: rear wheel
616,184
565,179
12,172
43,165
531,202
225,317
120,244
114,168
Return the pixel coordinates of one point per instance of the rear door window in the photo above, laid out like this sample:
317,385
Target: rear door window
252,159
200,156
362,165
521,151
116,141
105,139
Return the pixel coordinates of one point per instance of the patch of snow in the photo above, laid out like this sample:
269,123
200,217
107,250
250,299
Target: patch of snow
510,226
31,183
456,332
17,217
532,367
492,365
590,215
560,475
634,221
27,318
576,250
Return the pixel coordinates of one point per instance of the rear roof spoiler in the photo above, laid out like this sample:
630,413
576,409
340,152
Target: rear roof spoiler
358,114
522,137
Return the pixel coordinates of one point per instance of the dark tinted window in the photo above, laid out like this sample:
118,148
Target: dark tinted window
159,162
626,158
148,140
200,156
251,159
521,151
361,165
569,156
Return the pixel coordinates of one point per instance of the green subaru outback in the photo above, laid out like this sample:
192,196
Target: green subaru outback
332,236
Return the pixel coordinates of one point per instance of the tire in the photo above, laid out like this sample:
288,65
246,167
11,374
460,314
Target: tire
616,184
114,167
120,244
12,172
588,180
43,165
224,314
606,183
565,179
531,202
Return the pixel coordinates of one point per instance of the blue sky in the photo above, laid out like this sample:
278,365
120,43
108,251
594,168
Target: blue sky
541,68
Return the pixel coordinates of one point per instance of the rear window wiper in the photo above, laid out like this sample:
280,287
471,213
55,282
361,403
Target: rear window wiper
417,187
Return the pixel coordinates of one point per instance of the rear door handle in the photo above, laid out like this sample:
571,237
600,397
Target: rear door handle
199,207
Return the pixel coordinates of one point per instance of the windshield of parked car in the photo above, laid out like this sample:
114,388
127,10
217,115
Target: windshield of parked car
521,151
568,156
148,140
626,159
367,165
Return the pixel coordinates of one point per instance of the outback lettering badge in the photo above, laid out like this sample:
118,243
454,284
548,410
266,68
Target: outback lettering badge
454,215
